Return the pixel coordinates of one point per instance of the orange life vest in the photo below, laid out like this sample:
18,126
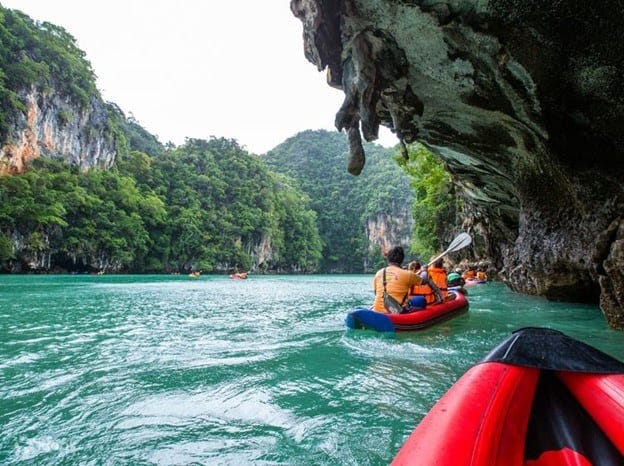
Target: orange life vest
438,276
423,290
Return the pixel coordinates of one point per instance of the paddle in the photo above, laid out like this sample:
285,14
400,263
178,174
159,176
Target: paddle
461,241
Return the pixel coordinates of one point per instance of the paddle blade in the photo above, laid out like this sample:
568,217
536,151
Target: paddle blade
461,241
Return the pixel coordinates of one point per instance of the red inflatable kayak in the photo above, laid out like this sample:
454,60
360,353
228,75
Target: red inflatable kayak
432,314
538,399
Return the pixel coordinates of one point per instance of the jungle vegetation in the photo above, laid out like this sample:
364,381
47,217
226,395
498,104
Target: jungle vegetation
206,205
436,207
347,207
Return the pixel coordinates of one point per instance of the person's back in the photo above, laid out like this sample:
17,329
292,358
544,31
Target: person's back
437,274
398,280
427,291
423,289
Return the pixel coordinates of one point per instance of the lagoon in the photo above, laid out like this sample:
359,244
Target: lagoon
171,370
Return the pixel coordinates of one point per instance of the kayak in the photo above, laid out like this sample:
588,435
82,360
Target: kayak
417,320
539,398
474,281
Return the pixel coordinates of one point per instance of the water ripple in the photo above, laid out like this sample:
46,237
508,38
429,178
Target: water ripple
160,370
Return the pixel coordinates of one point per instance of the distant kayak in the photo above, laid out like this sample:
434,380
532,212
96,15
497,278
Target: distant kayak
239,276
418,320
539,398
195,274
474,281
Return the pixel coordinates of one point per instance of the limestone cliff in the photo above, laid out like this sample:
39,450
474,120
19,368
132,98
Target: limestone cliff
55,126
521,100
384,231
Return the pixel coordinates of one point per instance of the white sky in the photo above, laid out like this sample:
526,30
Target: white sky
201,68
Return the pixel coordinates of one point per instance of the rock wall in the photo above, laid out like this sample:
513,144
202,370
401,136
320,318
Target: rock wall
522,101
52,126
387,230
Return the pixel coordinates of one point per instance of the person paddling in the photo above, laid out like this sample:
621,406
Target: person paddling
394,280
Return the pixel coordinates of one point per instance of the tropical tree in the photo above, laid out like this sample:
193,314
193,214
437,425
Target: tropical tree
435,203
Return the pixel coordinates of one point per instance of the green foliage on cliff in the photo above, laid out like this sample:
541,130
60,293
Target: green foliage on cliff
67,219
43,54
345,205
230,208
136,137
435,204
210,205
207,205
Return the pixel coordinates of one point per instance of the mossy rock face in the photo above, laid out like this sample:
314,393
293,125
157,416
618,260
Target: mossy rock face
522,101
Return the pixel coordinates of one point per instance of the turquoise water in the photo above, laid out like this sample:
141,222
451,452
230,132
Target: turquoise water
142,370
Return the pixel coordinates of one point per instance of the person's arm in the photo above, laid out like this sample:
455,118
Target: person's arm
414,280
434,288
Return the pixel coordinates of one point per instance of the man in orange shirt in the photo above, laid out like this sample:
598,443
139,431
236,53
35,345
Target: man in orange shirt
398,281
